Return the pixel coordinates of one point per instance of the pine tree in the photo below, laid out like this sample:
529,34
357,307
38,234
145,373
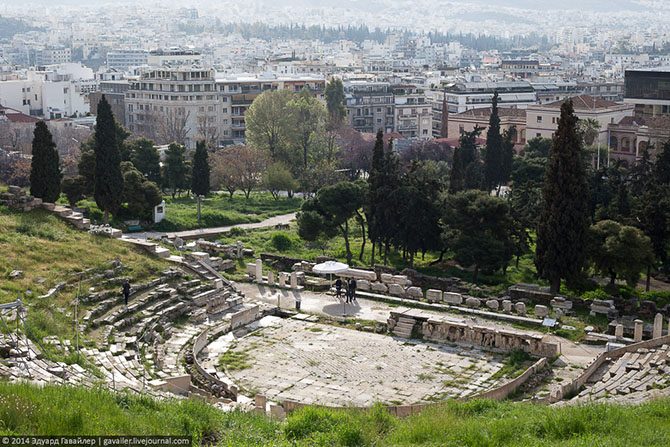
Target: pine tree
494,150
564,220
108,177
444,129
200,176
45,173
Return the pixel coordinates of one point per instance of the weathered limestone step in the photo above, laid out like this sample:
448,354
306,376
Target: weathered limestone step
162,252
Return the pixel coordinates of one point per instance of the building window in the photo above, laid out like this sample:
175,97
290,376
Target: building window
539,118
538,135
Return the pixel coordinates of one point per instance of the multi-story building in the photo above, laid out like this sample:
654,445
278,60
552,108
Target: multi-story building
115,94
509,119
632,135
649,91
51,56
542,120
413,115
122,60
608,90
174,104
463,96
370,105
188,104
174,57
237,93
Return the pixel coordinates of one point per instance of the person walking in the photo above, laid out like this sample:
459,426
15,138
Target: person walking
126,291
298,300
338,288
352,290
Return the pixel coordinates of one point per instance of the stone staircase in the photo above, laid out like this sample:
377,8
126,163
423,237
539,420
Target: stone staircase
404,327
630,378
75,218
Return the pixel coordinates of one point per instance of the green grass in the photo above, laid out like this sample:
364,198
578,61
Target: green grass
49,252
232,360
221,210
27,409
515,364
265,241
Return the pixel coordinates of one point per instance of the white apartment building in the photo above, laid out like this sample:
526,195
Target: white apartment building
413,115
122,60
237,93
56,92
370,105
174,57
173,104
51,56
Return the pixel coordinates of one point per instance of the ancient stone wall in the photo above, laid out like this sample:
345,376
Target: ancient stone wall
487,338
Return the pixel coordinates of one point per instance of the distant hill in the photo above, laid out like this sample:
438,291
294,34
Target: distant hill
583,5
9,27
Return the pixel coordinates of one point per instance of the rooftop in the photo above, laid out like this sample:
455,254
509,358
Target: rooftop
486,112
585,102
15,116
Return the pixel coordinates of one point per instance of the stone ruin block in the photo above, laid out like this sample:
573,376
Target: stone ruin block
603,307
379,287
452,298
396,290
473,302
507,306
251,269
363,284
541,311
492,304
414,293
401,280
359,274
561,303
434,295
520,308
386,278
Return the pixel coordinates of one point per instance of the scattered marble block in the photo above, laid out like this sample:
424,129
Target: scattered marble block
415,293
541,311
492,304
471,301
452,298
434,295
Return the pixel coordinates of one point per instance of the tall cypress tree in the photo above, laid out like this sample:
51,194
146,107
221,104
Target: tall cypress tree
375,179
45,173
494,157
564,221
335,101
108,177
200,175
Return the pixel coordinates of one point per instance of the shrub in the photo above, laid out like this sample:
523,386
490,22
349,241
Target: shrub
281,241
660,297
598,294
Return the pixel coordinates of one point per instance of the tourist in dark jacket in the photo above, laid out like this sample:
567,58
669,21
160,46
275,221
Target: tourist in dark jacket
126,291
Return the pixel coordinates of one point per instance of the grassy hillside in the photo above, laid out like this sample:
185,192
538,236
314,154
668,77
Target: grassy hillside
25,409
48,251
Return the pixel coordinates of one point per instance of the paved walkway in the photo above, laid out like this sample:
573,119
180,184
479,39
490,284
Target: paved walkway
206,233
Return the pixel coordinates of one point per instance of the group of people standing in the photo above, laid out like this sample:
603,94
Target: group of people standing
349,289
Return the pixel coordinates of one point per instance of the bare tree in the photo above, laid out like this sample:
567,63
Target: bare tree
173,125
208,130
225,173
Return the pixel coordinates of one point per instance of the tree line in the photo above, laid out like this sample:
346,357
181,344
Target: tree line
487,206
124,178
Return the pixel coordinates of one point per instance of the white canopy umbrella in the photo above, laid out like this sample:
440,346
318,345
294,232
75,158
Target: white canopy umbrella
330,267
